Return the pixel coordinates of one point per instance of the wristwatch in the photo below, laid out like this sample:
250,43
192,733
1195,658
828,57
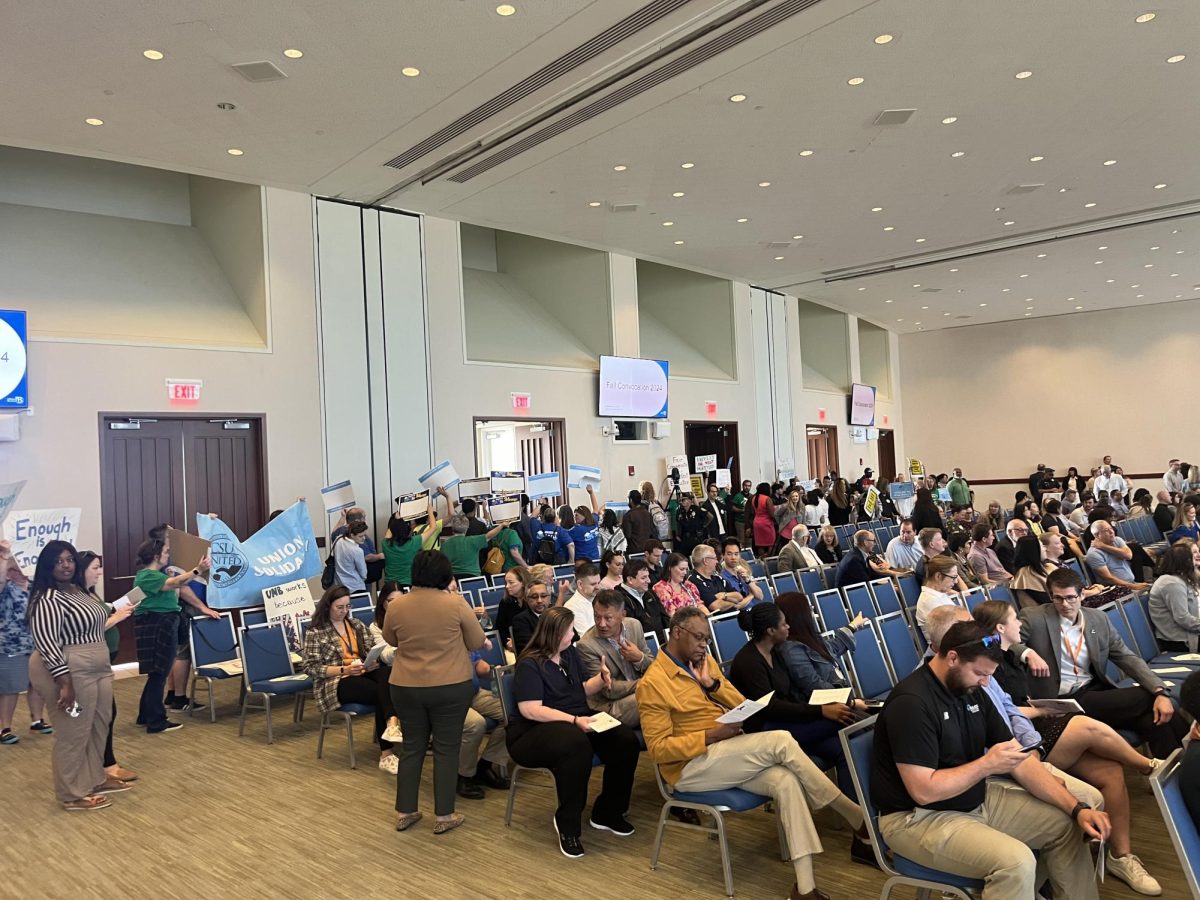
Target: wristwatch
713,687
1079,807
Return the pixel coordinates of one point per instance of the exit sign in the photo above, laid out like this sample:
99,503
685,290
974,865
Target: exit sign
520,401
184,390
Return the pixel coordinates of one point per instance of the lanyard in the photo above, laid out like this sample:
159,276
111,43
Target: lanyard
1074,652
349,641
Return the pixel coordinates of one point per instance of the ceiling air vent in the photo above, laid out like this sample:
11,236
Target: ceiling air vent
1024,188
931,290
259,71
623,207
894,116
778,245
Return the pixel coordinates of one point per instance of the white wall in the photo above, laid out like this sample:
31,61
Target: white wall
998,399
70,382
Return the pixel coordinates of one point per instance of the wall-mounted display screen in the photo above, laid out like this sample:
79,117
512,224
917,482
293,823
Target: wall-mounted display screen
633,388
862,404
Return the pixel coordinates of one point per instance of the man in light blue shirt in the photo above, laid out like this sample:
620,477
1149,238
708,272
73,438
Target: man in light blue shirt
903,551
1109,558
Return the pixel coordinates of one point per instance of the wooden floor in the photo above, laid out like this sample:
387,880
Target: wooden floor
215,816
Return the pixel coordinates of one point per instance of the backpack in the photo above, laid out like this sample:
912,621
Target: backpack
547,546
662,523
493,563
329,575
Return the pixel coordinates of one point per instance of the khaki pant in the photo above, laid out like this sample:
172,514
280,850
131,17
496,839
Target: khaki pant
996,841
484,704
625,709
78,756
769,763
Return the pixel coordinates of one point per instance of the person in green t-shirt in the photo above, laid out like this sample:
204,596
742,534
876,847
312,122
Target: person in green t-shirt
510,544
402,542
737,507
463,549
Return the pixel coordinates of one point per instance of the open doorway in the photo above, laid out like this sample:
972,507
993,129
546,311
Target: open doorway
887,455
720,438
822,450
532,447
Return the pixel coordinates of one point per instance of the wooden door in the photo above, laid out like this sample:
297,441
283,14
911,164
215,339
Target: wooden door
706,438
821,442
224,467
887,456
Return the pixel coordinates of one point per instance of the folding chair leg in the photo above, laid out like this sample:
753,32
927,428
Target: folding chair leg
242,719
190,693
726,868
270,731
659,835
512,793
212,703
321,735
350,740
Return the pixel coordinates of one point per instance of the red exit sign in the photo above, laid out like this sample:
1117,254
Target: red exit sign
184,390
520,401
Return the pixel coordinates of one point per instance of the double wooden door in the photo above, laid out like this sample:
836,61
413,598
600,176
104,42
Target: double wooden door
164,469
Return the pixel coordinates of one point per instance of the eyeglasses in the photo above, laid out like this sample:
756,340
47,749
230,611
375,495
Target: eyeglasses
707,558
1060,599
990,640
703,638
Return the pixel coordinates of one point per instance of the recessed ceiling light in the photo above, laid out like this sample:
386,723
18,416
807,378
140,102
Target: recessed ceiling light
1036,158
945,314
1109,280
94,121
1028,314
949,120
1144,18
1079,307
1005,290
889,227
677,243
887,301
1159,187
862,288
1088,205
899,320
620,168
1102,247
1041,256
1179,57
677,194
1148,266
924,307
668,224
778,258
505,9
855,81
740,221
1010,222
920,240
153,54
954,270
1178,252
916,285
806,152
234,151
764,184
1110,162
293,53
797,237
687,165
884,38
1098,262
1023,74
737,98
1156,247
1023,275
1135,286
983,304
1063,190
957,154
1139,296
594,203
876,209
1174,274
410,71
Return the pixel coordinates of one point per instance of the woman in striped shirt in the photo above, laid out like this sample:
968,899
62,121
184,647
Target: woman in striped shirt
70,664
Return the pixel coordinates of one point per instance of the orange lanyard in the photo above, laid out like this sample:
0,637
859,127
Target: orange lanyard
1075,651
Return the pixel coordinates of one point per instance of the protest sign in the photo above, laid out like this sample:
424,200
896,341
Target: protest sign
29,530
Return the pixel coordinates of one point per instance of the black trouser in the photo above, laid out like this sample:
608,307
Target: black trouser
1132,708
438,711
1173,646
109,759
370,689
567,752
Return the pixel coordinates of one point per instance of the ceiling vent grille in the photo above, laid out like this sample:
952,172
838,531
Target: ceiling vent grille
623,207
683,63
931,290
586,51
259,71
894,116
1024,188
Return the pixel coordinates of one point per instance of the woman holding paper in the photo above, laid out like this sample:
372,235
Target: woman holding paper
553,727
16,646
336,648
812,661
761,668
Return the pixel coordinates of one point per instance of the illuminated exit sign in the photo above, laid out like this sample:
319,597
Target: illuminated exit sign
520,401
184,390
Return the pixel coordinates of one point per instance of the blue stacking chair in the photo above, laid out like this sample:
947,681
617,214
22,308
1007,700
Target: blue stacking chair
1121,627
833,611
859,600
785,582
364,614
868,665
810,581
909,589
565,570
347,712
652,643
887,599
716,804
1164,782
254,616
214,656
772,565
1143,632
844,533
267,669
504,689
747,554
765,585
490,597
758,569
858,743
472,585
829,575
1079,569
361,600
495,656
898,644
1002,592
302,625
728,637
974,596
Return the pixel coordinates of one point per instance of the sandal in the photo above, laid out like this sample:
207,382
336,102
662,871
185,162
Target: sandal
7,737
450,824
122,774
407,821
87,803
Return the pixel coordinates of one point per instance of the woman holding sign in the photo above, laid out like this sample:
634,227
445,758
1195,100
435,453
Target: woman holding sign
336,651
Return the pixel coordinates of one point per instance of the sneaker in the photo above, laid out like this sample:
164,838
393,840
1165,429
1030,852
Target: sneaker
571,847
41,727
7,737
621,828
170,726
393,734
186,705
389,764
1131,871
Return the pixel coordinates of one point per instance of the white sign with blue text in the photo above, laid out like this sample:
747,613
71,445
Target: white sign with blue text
29,530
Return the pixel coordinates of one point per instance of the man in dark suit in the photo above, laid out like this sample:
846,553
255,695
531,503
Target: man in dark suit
524,623
1006,547
641,603
1164,513
720,524
853,569
1077,645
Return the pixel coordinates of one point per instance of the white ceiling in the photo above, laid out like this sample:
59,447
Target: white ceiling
1101,89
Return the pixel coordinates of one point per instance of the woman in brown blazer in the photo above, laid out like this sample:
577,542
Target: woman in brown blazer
433,631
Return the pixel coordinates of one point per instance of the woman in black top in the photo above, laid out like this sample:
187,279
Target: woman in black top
550,728
925,513
516,581
828,550
839,503
761,666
